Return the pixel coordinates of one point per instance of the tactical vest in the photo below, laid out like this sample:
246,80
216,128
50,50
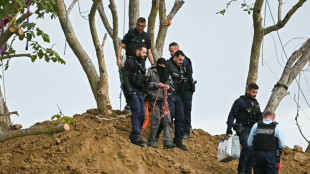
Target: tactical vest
136,39
177,74
264,140
251,113
137,78
188,71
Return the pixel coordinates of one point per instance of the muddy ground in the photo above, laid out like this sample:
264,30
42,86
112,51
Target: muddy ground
94,145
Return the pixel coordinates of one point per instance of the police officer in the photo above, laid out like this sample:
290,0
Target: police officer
134,79
267,139
130,40
174,66
134,37
188,89
246,112
187,93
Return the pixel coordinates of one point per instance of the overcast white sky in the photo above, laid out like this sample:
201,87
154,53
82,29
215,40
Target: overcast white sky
219,47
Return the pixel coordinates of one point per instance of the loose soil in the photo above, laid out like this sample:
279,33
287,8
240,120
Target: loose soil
95,145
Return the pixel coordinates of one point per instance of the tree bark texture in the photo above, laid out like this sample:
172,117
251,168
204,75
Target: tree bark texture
163,20
2,102
34,131
103,100
134,13
151,26
114,37
8,33
292,68
256,43
76,47
259,33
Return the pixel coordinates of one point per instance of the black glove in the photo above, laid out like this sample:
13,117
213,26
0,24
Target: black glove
229,131
129,94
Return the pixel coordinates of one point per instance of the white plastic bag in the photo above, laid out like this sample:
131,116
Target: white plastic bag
229,149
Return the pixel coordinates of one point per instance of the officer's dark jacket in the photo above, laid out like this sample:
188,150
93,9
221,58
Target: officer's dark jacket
188,74
132,38
177,74
246,111
264,140
133,73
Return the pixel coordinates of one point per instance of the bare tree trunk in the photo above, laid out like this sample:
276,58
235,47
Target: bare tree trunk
114,37
164,24
76,47
103,101
134,13
1,103
162,32
98,83
257,42
292,68
151,27
113,32
259,33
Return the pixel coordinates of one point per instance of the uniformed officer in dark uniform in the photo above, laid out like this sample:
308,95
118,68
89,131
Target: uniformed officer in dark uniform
187,93
246,112
134,80
268,141
174,66
134,37
130,41
188,89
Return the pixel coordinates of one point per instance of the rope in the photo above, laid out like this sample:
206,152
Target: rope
115,118
121,91
120,72
147,117
263,35
167,24
166,109
66,31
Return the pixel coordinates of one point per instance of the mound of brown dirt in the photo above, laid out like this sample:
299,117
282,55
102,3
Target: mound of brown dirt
99,146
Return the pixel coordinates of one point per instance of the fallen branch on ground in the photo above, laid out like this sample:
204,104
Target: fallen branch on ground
34,131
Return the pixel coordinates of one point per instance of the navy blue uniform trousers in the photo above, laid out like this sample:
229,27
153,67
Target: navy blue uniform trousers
137,108
266,163
246,160
187,97
177,112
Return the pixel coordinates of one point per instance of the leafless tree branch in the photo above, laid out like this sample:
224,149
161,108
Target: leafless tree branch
71,7
113,9
282,23
299,128
280,10
104,39
14,55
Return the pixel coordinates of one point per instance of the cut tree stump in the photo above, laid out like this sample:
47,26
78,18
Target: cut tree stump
34,131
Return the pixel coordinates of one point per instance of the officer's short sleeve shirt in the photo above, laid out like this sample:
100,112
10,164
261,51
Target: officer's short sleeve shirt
128,38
